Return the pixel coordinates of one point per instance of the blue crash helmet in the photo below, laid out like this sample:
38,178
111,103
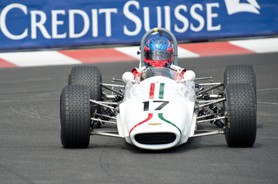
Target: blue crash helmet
158,52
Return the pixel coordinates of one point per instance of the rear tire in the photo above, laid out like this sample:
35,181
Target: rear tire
91,77
241,122
75,116
88,76
240,74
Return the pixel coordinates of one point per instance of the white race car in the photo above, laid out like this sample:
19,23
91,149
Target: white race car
161,110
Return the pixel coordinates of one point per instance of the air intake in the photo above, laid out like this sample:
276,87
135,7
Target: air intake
155,138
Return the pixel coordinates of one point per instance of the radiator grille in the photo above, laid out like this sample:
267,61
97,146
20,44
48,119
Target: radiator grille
155,138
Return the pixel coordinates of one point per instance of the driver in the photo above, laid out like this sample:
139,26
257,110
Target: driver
158,52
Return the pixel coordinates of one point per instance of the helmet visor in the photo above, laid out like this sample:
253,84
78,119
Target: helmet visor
159,55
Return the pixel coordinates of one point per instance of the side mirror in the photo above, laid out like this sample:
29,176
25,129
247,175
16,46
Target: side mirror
128,77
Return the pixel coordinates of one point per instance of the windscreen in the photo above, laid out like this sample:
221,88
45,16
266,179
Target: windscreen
161,71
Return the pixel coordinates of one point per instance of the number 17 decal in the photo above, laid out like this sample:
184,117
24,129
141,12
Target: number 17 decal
160,104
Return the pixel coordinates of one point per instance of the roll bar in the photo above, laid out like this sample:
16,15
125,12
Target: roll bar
160,31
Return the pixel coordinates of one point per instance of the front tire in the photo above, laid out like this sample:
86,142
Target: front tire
75,116
241,122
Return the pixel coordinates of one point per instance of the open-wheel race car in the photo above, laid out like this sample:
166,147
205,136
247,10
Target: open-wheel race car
161,107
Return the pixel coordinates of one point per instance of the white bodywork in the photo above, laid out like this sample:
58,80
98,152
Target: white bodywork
158,107
157,113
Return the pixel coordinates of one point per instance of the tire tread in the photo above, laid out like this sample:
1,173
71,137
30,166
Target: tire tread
242,115
88,76
240,74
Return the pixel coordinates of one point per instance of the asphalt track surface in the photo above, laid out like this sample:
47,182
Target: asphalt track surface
31,152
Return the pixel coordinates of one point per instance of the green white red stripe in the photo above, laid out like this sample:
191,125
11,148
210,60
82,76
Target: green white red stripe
152,88
161,90
150,115
160,115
